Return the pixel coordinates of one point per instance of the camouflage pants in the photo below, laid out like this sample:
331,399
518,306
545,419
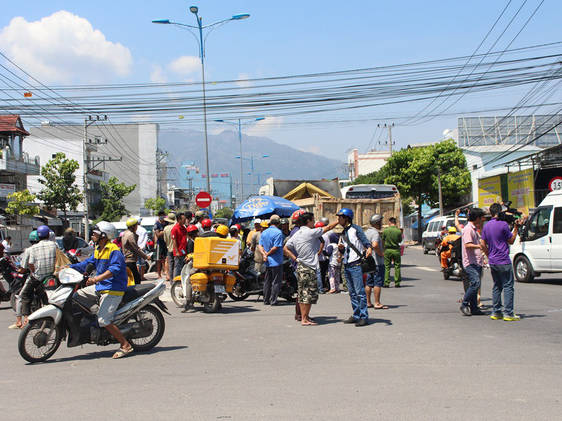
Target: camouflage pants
308,284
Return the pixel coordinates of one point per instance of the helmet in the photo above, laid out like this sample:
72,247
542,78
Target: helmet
131,221
191,228
297,214
345,212
33,236
234,228
319,224
199,214
284,221
452,230
206,223
52,236
43,231
238,226
375,219
325,221
105,230
222,230
264,224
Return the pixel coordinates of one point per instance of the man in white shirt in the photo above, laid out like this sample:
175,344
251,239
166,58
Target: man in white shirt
143,239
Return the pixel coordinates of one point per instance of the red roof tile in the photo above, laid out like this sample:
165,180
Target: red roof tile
12,123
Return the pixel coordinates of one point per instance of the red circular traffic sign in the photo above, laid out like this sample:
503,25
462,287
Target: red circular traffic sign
555,184
203,199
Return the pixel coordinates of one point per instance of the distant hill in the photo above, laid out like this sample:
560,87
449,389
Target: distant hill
284,162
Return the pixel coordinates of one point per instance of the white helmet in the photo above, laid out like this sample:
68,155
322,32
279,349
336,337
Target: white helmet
105,229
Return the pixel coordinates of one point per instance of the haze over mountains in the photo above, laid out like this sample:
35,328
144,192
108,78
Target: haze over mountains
284,162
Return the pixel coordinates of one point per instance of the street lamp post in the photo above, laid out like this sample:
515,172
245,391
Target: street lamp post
239,125
251,159
201,40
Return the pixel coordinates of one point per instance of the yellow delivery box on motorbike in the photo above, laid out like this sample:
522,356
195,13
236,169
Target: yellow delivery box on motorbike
215,253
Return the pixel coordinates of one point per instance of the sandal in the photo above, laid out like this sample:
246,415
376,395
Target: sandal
309,323
382,307
14,326
122,352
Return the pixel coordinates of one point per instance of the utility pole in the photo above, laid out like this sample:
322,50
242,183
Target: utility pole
389,127
440,191
87,123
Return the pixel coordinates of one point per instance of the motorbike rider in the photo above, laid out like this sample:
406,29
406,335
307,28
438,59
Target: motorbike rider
24,262
69,241
131,249
447,245
41,262
104,292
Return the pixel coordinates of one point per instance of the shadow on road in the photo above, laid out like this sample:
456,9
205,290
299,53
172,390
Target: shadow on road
108,353
379,321
326,320
234,310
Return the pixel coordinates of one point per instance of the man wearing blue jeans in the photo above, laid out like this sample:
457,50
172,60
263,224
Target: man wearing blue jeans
496,239
352,241
375,280
472,260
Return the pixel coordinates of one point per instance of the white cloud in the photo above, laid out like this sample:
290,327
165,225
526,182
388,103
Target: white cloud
157,75
64,48
243,82
264,127
186,66
312,149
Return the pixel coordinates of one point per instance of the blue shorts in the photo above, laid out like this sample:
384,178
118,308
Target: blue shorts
376,279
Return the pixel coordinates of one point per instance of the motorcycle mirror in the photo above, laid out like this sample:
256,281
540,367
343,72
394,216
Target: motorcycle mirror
89,269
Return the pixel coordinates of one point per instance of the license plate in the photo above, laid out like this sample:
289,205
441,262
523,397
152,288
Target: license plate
220,289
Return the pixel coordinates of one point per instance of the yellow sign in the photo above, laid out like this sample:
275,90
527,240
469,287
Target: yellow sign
489,191
521,190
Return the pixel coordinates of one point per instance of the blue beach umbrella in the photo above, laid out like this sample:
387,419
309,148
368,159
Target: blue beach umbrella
263,207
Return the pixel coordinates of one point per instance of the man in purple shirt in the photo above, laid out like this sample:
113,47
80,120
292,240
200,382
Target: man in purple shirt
496,239
472,261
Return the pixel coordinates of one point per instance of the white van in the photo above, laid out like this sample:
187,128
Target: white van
433,230
538,248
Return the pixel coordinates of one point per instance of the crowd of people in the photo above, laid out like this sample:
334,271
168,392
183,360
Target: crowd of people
326,260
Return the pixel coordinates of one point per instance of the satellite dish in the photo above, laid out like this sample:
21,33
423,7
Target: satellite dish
446,132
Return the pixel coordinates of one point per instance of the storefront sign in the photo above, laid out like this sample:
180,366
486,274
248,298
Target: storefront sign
489,191
7,189
521,190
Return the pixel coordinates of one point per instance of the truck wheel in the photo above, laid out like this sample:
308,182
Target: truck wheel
425,250
523,269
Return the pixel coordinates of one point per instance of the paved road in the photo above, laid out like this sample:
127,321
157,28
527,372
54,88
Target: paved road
419,360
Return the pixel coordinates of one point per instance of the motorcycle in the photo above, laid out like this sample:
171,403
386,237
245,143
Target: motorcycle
249,282
73,255
454,263
206,278
138,317
16,280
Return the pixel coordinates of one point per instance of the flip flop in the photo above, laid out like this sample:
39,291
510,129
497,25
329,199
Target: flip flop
309,324
14,326
122,352
383,307
370,306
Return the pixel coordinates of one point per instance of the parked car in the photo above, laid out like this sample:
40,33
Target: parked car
433,230
84,248
538,248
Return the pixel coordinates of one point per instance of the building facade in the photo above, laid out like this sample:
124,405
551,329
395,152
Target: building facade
126,151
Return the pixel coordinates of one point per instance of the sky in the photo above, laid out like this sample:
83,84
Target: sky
62,43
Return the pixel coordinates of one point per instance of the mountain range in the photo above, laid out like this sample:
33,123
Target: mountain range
283,162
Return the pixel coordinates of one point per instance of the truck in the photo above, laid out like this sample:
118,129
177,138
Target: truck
362,209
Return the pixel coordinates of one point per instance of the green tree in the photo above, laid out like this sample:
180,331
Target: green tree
156,205
21,203
112,194
224,213
415,173
58,179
